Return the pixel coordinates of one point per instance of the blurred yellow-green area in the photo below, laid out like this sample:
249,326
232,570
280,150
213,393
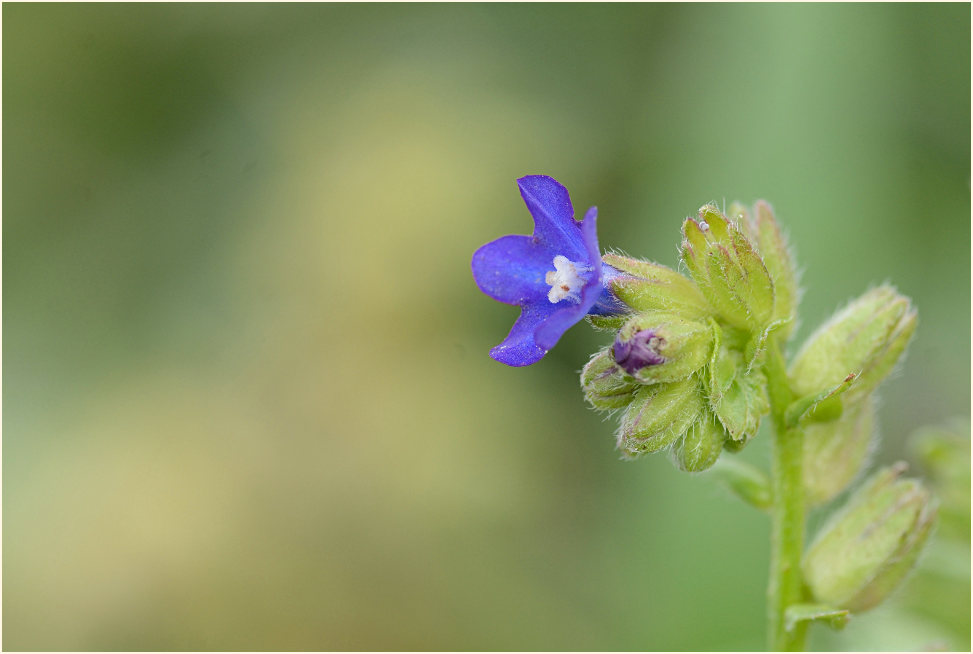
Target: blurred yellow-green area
247,397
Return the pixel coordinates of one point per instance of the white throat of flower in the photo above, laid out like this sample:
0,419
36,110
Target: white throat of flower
566,280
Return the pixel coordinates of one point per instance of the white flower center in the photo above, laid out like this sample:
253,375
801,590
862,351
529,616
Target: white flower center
566,280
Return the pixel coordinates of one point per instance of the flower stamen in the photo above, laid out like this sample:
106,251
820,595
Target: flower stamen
566,280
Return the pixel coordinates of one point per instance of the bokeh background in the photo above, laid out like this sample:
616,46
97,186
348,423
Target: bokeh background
247,397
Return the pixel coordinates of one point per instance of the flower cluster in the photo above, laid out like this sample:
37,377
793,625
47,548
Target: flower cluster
686,365
685,361
695,363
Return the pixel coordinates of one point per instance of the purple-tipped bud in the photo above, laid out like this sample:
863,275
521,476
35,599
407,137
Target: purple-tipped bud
658,347
640,351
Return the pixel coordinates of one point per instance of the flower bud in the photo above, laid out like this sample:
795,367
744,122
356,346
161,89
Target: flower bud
869,547
728,270
605,386
647,286
701,446
867,338
662,347
737,396
835,451
776,255
658,415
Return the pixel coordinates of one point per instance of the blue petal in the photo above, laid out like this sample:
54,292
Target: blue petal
512,269
589,237
520,348
554,224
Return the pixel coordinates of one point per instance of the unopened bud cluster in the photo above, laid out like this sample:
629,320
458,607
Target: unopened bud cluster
686,363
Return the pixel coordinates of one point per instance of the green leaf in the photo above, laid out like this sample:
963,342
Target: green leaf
831,616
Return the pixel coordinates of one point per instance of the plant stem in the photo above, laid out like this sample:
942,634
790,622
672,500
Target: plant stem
788,513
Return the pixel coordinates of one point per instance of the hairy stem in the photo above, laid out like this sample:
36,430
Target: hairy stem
788,512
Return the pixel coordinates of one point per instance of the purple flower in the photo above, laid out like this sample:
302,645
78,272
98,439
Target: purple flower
556,276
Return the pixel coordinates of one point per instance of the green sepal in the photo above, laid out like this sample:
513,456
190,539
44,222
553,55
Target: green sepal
658,415
829,615
836,451
648,286
605,385
685,345
747,482
737,396
700,448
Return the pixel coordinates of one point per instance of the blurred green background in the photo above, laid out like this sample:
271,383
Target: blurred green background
248,402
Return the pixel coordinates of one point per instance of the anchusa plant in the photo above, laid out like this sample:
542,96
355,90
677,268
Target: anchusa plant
697,362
